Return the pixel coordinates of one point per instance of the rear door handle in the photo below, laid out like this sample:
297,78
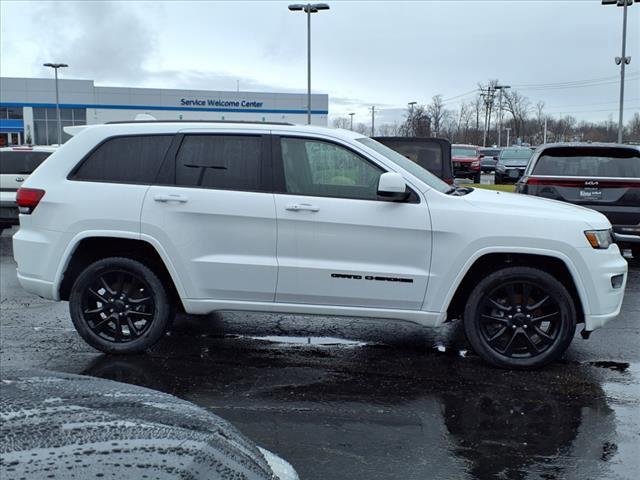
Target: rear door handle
297,207
171,198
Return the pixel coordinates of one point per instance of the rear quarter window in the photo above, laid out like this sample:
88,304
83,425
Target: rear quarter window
586,162
21,163
130,159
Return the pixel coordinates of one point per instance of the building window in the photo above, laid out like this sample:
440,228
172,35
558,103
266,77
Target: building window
46,125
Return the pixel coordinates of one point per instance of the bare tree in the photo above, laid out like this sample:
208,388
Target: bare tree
417,123
388,129
437,113
518,106
634,128
362,128
342,122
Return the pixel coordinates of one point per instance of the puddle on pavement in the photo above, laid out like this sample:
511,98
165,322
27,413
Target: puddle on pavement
315,341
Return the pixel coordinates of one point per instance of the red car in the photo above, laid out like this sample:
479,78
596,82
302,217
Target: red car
466,162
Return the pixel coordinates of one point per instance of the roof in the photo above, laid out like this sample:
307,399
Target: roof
170,127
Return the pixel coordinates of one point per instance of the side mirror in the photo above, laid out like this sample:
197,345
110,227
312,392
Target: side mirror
392,186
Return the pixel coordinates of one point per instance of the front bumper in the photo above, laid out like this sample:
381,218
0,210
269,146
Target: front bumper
601,299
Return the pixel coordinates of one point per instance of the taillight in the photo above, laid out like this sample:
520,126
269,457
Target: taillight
28,199
448,181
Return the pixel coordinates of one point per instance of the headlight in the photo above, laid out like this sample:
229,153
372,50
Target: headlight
600,239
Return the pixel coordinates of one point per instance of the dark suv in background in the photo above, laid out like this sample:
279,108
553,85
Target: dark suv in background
433,154
488,158
604,177
512,163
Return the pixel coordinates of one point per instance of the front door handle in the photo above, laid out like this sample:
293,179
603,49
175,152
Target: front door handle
171,198
297,207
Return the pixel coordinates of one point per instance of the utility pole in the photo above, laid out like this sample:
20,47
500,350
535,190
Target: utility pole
508,129
500,87
373,120
488,103
623,61
544,140
351,115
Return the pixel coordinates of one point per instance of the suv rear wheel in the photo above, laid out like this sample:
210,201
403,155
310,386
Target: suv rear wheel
118,305
520,318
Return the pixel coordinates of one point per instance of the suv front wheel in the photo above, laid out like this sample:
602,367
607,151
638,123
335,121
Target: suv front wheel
520,318
119,305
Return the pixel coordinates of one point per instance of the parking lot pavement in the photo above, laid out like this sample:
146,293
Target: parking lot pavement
376,399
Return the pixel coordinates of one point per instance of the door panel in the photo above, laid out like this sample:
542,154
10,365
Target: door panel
215,216
337,243
222,243
353,252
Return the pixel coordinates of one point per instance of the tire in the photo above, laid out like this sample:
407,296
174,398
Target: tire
477,178
497,180
635,252
520,342
113,316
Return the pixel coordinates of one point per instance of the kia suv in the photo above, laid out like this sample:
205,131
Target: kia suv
16,164
131,222
604,177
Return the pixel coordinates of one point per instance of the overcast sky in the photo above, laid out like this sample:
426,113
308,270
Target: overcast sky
384,53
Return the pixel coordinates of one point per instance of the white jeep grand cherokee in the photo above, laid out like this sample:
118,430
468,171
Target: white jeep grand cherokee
129,222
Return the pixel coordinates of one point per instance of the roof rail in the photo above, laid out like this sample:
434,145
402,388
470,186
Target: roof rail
250,122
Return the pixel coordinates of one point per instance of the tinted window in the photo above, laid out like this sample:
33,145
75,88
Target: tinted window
23,163
232,162
584,162
427,155
516,153
133,159
323,169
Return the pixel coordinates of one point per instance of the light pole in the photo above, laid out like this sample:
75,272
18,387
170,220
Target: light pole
500,87
55,67
623,60
508,133
410,105
351,115
308,8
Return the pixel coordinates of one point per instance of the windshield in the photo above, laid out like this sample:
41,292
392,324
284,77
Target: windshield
490,153
519,154
406,164
463,152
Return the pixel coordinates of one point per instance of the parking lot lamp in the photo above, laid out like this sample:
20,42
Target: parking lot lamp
55,67
351,115
308,8
623,60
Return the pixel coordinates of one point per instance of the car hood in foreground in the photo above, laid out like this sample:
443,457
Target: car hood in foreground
70,426
527,205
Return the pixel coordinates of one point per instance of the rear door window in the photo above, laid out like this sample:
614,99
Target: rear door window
584,162
21,163
226,162
131,159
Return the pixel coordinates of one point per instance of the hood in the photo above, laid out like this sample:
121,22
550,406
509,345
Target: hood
72,426
528,205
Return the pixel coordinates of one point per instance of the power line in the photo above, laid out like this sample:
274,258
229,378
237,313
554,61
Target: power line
571,82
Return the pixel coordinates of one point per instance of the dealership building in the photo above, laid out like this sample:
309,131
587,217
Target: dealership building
28,107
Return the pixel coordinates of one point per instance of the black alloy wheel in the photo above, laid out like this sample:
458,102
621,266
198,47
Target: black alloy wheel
119,305
520,318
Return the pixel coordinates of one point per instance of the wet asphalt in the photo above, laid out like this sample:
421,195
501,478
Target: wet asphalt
371,399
